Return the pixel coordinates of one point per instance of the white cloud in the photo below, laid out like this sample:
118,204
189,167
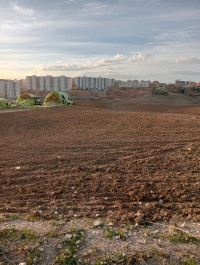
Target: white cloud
119,62
70,1
96,8
139,57
188,60
66,67
117,59
22,10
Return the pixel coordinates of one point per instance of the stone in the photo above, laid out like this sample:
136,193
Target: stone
68,236
97,223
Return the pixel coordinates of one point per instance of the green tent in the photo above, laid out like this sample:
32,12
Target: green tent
55,98
28,99
3,103
160,91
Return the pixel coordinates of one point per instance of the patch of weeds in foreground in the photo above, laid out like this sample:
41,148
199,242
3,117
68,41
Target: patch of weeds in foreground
117,258
122,259
52,233
17,234
71,246
182,237
189,262
121,233
19,244
13,217
34,257
33,218
134,258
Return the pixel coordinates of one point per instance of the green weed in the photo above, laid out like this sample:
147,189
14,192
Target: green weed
110,233
13,217
182,237
34,257
13,233
69,255
189,262
33,218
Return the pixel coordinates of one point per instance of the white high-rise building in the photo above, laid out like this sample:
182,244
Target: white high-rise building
92,83
22,83
55,83
3,89
29,82
13,90
35,83
41,83
65,83
48,81
9,89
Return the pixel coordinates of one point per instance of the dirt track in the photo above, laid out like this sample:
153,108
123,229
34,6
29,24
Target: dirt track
78,162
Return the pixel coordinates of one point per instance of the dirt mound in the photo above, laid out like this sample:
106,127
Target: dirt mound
76,162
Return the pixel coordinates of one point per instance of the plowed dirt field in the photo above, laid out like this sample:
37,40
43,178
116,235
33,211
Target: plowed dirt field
77,161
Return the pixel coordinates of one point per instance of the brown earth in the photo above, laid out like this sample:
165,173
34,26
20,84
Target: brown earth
90,162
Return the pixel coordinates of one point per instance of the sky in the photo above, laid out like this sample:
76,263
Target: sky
121,39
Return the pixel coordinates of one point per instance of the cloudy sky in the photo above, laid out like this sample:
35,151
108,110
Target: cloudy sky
122,39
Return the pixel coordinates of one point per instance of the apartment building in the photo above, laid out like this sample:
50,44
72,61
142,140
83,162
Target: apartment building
48,83
9,89
134,83
3,89
92,83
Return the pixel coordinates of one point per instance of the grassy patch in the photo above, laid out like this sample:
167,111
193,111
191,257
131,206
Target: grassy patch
34,257
121,233
134,258
189,262
19,244
117,258
52,233
33,218
14,233
13,217
182,237
179,236
122,259
69,254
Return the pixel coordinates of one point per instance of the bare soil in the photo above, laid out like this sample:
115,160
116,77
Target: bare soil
82,161
77,162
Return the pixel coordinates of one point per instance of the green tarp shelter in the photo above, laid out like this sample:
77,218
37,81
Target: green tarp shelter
55,98
3,103
160,91
28,99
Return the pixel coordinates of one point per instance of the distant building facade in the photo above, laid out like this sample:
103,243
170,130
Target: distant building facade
92,83
9,89
134,83
48,83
